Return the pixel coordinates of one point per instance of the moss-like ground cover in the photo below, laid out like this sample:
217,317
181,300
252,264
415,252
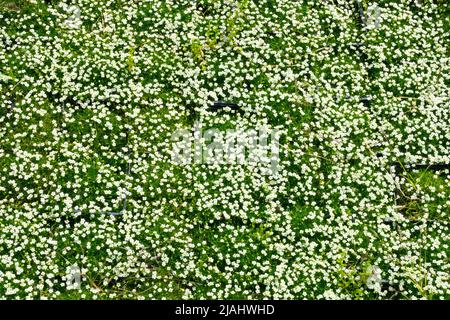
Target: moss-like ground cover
91,93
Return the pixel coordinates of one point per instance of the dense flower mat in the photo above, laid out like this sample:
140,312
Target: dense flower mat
91,93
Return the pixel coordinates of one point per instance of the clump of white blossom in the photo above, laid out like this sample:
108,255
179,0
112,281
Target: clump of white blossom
91,92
